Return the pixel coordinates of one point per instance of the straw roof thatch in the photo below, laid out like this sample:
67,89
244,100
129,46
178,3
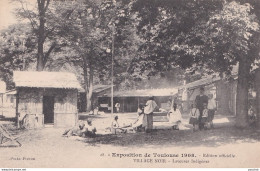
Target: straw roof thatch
45,79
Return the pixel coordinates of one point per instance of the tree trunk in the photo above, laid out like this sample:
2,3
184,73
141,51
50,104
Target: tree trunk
85,76
88,82
90,87
242,93
40,55
257,86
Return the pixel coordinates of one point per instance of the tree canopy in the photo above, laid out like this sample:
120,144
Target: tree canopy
148,38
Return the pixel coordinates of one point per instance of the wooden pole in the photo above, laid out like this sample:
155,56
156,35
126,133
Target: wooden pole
112,64
2,107
17,105
123,104
112,74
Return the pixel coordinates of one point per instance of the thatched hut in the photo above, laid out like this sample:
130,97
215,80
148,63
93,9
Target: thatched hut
46,98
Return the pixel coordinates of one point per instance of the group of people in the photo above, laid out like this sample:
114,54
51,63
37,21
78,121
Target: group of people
201,117
144,121
203,111
81,130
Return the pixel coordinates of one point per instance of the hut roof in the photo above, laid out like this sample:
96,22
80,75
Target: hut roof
45,79
147,92
11,92
97,88
201,82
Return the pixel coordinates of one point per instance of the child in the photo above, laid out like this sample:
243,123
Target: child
174,117
115,128
211,109
204,118
252,116
194,115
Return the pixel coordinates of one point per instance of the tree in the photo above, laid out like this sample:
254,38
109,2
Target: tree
164,26
231,37
17,48
213,36
87,28
38,19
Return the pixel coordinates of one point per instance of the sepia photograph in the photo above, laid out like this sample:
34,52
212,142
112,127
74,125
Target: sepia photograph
129,84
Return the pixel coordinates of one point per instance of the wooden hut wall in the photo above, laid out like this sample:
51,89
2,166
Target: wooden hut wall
9,103
30,101
65,107
65,104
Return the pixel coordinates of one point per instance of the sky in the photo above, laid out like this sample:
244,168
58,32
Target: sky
6,11
6,16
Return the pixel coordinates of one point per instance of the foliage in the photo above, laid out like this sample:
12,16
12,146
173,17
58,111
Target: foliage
164,26
229,35
17,51
211,37
193,35
42,27
86,29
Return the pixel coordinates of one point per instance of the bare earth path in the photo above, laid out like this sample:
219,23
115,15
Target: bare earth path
223,146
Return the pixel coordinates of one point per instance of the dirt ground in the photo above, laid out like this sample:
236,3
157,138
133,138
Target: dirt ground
47,148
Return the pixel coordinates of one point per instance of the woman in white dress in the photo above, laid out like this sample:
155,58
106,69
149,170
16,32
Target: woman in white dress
175,117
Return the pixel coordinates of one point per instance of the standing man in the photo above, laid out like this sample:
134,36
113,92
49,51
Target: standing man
199,101
117,107
148,114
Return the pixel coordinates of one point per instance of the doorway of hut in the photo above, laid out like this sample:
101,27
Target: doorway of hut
48,109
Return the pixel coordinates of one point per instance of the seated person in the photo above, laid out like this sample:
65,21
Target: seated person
175,117
204,118
115,128
194,115
75,131
96,110
251,116
89,130
137,124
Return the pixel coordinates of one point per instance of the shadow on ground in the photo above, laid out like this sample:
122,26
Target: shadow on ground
223,133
